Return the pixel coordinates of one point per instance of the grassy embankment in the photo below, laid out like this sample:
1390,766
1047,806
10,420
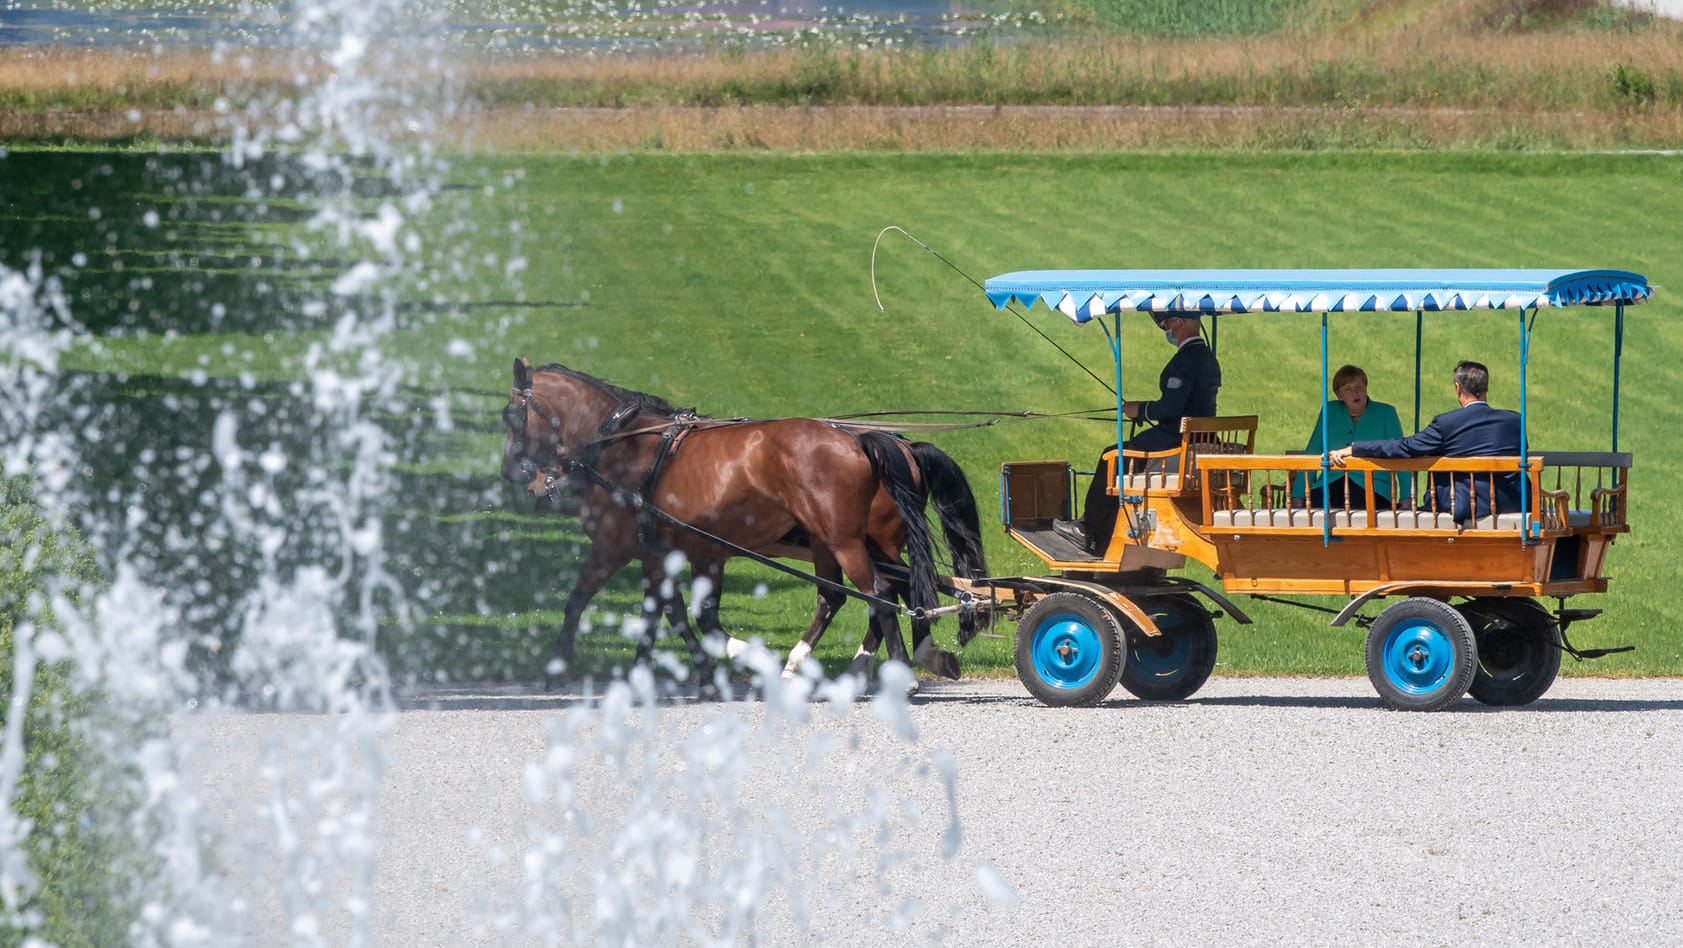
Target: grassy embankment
1500,74
741,285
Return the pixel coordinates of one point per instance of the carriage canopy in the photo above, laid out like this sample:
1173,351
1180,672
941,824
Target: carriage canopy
1085,294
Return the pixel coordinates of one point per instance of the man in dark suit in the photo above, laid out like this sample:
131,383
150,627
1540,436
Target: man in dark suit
1186,389
1473,430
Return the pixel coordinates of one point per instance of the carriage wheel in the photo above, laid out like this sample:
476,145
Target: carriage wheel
1069,650
1171,666
1518,650
1421,655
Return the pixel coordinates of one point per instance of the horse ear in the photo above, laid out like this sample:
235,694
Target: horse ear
522,374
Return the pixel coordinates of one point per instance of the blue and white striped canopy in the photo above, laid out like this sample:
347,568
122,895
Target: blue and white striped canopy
1083,294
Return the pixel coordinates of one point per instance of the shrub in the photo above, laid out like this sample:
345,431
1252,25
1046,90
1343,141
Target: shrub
1632,86
75,849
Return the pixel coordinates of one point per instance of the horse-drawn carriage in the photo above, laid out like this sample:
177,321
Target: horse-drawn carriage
1471,617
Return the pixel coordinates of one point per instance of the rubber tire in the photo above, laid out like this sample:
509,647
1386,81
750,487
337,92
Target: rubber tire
1173,666
1436,671
1069,650
1518,650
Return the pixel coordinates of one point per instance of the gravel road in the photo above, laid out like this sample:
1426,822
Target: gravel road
1264,811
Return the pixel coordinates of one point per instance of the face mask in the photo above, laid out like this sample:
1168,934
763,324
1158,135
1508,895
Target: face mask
1169,335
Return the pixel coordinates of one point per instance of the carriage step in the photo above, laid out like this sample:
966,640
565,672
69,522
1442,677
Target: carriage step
1569,616
1589,653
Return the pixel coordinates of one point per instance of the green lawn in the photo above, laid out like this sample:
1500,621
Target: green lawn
742,285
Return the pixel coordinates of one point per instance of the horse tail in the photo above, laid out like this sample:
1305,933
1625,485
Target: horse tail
895,472
961,522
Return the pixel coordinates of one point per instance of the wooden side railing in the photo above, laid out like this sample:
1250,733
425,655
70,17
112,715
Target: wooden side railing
1567,492
1585,488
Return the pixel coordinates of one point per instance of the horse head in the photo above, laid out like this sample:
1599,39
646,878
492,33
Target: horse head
557,417
534,444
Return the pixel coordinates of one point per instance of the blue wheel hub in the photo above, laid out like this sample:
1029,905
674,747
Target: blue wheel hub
1419,657
1067,651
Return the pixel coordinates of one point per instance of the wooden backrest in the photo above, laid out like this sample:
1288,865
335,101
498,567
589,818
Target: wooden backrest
1176,469
1234,434
1226,434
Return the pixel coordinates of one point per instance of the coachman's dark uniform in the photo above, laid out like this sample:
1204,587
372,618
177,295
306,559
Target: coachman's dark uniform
1188,388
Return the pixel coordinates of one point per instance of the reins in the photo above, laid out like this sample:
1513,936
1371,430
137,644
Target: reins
1010,307
852,421
993,418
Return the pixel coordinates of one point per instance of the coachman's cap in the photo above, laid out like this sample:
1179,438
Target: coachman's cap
1162,316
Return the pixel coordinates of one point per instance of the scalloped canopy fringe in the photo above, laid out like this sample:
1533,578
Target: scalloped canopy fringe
1082,295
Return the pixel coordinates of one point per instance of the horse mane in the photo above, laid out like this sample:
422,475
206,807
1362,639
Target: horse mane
643,401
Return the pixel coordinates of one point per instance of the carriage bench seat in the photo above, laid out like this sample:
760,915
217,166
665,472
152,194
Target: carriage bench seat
1169,469
1152,480
1357,519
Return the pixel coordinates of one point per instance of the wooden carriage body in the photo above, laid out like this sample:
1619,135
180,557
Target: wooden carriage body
1215,501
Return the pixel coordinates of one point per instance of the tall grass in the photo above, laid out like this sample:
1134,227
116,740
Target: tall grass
1517,72
1532,77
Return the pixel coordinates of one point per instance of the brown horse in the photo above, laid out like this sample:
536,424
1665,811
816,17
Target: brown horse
762,485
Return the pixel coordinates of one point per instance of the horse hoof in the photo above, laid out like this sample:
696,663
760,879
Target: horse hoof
936,659
555,673
949,666
860,668
942,663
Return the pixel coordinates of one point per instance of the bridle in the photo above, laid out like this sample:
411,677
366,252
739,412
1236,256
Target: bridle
516,418
566,464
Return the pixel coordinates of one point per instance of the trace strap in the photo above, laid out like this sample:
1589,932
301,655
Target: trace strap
641,504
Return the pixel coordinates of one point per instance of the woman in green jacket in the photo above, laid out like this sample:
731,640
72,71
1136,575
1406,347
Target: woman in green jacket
1353,417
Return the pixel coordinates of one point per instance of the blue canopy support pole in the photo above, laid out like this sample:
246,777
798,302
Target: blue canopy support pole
1419,336
1116,353
1532,527
1326,459
1618,353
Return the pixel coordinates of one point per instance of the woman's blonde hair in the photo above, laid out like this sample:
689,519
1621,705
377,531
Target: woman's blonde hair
1348,373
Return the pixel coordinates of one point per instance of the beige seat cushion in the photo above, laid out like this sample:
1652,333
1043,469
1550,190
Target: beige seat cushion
1507,521
1384,519
1413,520
1340,518
1153,480
1275,517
